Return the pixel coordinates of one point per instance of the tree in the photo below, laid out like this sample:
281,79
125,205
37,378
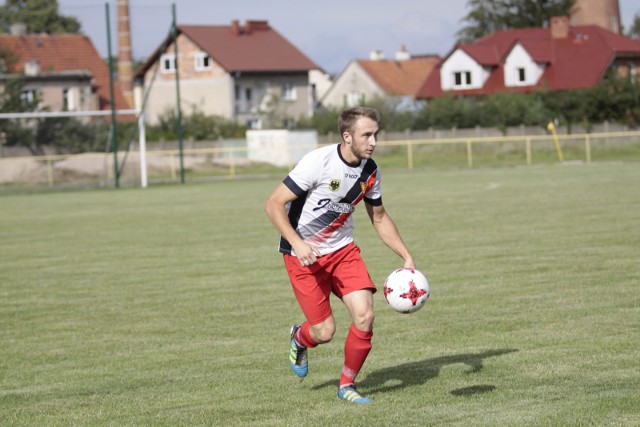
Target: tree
484,17
40,16
634,31
487,16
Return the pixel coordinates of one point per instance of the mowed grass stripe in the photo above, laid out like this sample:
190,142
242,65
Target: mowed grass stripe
170,305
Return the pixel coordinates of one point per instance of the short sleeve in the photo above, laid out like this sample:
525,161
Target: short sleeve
305,174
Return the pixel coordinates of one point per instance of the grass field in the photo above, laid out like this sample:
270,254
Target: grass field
170,305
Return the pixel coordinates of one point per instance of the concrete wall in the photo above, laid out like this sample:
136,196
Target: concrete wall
280,147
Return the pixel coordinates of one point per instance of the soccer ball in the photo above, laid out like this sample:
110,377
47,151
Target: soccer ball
406,290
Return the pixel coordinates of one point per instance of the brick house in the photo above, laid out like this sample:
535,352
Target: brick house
64,70
239,72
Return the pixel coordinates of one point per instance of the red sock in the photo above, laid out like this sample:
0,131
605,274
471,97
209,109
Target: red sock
303,337
356,350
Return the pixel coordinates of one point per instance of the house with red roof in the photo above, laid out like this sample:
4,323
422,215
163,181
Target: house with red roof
240,72
363,80
64,71
561,57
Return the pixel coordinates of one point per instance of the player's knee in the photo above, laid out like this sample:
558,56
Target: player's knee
364,320
324,333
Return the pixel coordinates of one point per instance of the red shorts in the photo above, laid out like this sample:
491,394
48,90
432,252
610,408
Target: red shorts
339,272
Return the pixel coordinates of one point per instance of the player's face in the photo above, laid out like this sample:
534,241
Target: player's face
361,142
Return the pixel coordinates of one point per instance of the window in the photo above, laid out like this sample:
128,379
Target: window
244,102
353,99
288,123
28,96
254,124
521,75
68,100
202,61
288,92
462,78
168,63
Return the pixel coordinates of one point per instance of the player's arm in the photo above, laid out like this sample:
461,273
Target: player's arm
275,209
389,234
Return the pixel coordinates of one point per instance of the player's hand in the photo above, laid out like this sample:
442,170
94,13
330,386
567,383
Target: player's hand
408,263
306,253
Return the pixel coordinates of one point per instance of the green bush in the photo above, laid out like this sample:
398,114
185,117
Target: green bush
197,126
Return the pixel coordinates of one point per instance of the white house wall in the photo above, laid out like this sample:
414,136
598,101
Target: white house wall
517,59
321,81
353,80
459,61
211,96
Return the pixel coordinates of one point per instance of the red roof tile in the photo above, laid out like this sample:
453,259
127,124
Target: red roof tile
483,54
63,52
254,47
400,78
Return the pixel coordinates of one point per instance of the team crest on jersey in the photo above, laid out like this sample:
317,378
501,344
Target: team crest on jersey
334,185
363,186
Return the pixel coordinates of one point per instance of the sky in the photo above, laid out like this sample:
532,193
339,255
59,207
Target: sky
329,32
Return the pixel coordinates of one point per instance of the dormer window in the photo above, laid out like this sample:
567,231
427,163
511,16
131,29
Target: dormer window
462,78
168,63
202,61
520,69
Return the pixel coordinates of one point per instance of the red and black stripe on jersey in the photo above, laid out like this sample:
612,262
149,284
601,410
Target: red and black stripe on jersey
323,226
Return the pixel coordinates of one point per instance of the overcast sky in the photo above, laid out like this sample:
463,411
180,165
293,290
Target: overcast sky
330,32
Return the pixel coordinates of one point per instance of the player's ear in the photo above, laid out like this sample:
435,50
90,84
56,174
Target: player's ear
346,137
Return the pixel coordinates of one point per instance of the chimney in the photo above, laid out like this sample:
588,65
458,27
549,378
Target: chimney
376,55
235,27
560,27
252,26
125,61
403,54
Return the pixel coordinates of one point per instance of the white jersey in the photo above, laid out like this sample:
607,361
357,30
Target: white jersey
328,189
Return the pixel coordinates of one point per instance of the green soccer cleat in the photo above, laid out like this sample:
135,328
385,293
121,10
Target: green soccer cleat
297,356
350,394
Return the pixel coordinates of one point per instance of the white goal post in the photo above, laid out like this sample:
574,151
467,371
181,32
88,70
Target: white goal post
95,113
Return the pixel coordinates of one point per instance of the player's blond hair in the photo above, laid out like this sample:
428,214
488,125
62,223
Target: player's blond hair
348,118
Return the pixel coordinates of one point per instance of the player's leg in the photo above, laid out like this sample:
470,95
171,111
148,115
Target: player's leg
312,290
358,343
354,286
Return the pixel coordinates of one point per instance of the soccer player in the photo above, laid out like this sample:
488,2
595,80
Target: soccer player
312,210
